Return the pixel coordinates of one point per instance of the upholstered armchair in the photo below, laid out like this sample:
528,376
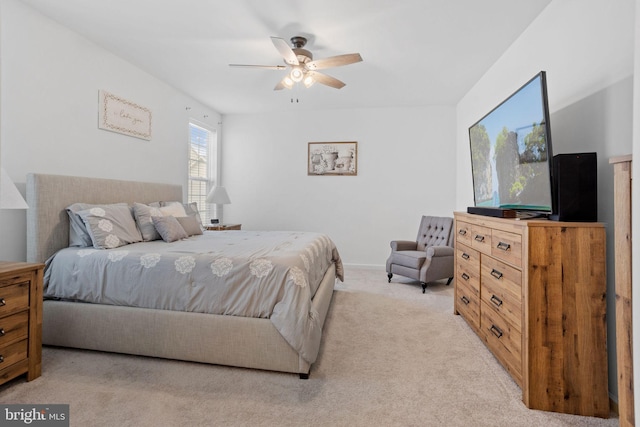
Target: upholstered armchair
427,259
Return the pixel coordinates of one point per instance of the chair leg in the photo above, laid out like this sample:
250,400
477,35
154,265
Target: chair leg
424,287
389,275
449,281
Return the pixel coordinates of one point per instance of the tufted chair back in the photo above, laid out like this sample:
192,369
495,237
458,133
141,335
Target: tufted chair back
435,231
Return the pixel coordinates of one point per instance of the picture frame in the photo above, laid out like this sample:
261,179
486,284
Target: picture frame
117,114
332,158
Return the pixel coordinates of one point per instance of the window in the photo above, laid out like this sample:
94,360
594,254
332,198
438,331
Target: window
202,166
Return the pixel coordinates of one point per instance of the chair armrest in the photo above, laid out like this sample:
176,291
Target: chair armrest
403,245
439,251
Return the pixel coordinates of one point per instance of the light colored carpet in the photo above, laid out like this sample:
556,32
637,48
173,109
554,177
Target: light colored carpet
391,356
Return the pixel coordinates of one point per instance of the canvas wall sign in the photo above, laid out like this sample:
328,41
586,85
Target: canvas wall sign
120,115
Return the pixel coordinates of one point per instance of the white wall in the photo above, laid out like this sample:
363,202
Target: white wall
405,170
586,47
50,82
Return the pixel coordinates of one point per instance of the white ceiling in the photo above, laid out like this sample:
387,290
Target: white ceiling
415,52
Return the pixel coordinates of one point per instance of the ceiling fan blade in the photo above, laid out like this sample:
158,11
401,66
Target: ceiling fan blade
326,80
285,50
269,67
333,61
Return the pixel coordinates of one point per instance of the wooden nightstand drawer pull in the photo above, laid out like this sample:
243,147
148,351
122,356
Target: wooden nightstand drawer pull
495,273
504,246
2,332
496,331
479,238
495,300
1,358
465,276
465,256
2,302
462,232
465,300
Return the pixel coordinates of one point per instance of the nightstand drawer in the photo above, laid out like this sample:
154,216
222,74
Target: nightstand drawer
13,328
13,353
13,298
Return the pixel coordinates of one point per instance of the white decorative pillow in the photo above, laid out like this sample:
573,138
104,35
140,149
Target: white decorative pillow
172,209
143,214
110,226
192,210
169,228
190,225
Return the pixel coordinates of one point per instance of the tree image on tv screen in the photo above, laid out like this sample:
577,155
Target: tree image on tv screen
481,151
521,166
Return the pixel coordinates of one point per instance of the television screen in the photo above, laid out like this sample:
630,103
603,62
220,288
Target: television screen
511,152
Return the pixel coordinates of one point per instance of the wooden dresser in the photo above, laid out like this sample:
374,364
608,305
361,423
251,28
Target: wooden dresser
20,320
535,292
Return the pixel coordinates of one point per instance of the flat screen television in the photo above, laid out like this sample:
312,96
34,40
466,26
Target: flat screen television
511,156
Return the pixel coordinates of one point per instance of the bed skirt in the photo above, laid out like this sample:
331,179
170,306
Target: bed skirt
207,338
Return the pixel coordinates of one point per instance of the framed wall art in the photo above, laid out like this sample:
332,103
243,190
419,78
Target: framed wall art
332,158
117,114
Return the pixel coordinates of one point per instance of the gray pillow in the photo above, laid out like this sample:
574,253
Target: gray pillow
143,214
169,228
110,226
190,225
78,234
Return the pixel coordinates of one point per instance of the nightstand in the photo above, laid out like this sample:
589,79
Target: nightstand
221,227
20,320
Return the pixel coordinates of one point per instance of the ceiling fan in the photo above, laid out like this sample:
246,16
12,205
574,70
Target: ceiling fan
303,66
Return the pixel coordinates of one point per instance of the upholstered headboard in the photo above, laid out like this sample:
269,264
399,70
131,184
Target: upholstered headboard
49,195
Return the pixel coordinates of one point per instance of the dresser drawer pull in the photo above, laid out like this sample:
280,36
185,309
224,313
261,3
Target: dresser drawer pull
479,238
465,256
496,301
504,246
2,332
496,331
1,358
495,273
465,300
465,276
2,302
462,232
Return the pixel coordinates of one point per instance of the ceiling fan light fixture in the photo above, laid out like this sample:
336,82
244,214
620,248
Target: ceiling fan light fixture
287,82
296,74
308,81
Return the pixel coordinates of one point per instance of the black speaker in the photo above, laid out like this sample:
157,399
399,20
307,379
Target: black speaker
575,192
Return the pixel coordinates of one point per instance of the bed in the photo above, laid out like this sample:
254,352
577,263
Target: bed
178,330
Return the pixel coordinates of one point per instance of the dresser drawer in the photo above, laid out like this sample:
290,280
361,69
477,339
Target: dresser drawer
481,239
463,232
507,247
468,257
504,341
14,327
502,290
13,353
14,298
468,304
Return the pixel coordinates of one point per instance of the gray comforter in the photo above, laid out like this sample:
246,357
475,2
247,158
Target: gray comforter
270,275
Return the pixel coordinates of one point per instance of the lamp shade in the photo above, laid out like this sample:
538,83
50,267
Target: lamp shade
10,197
219,196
